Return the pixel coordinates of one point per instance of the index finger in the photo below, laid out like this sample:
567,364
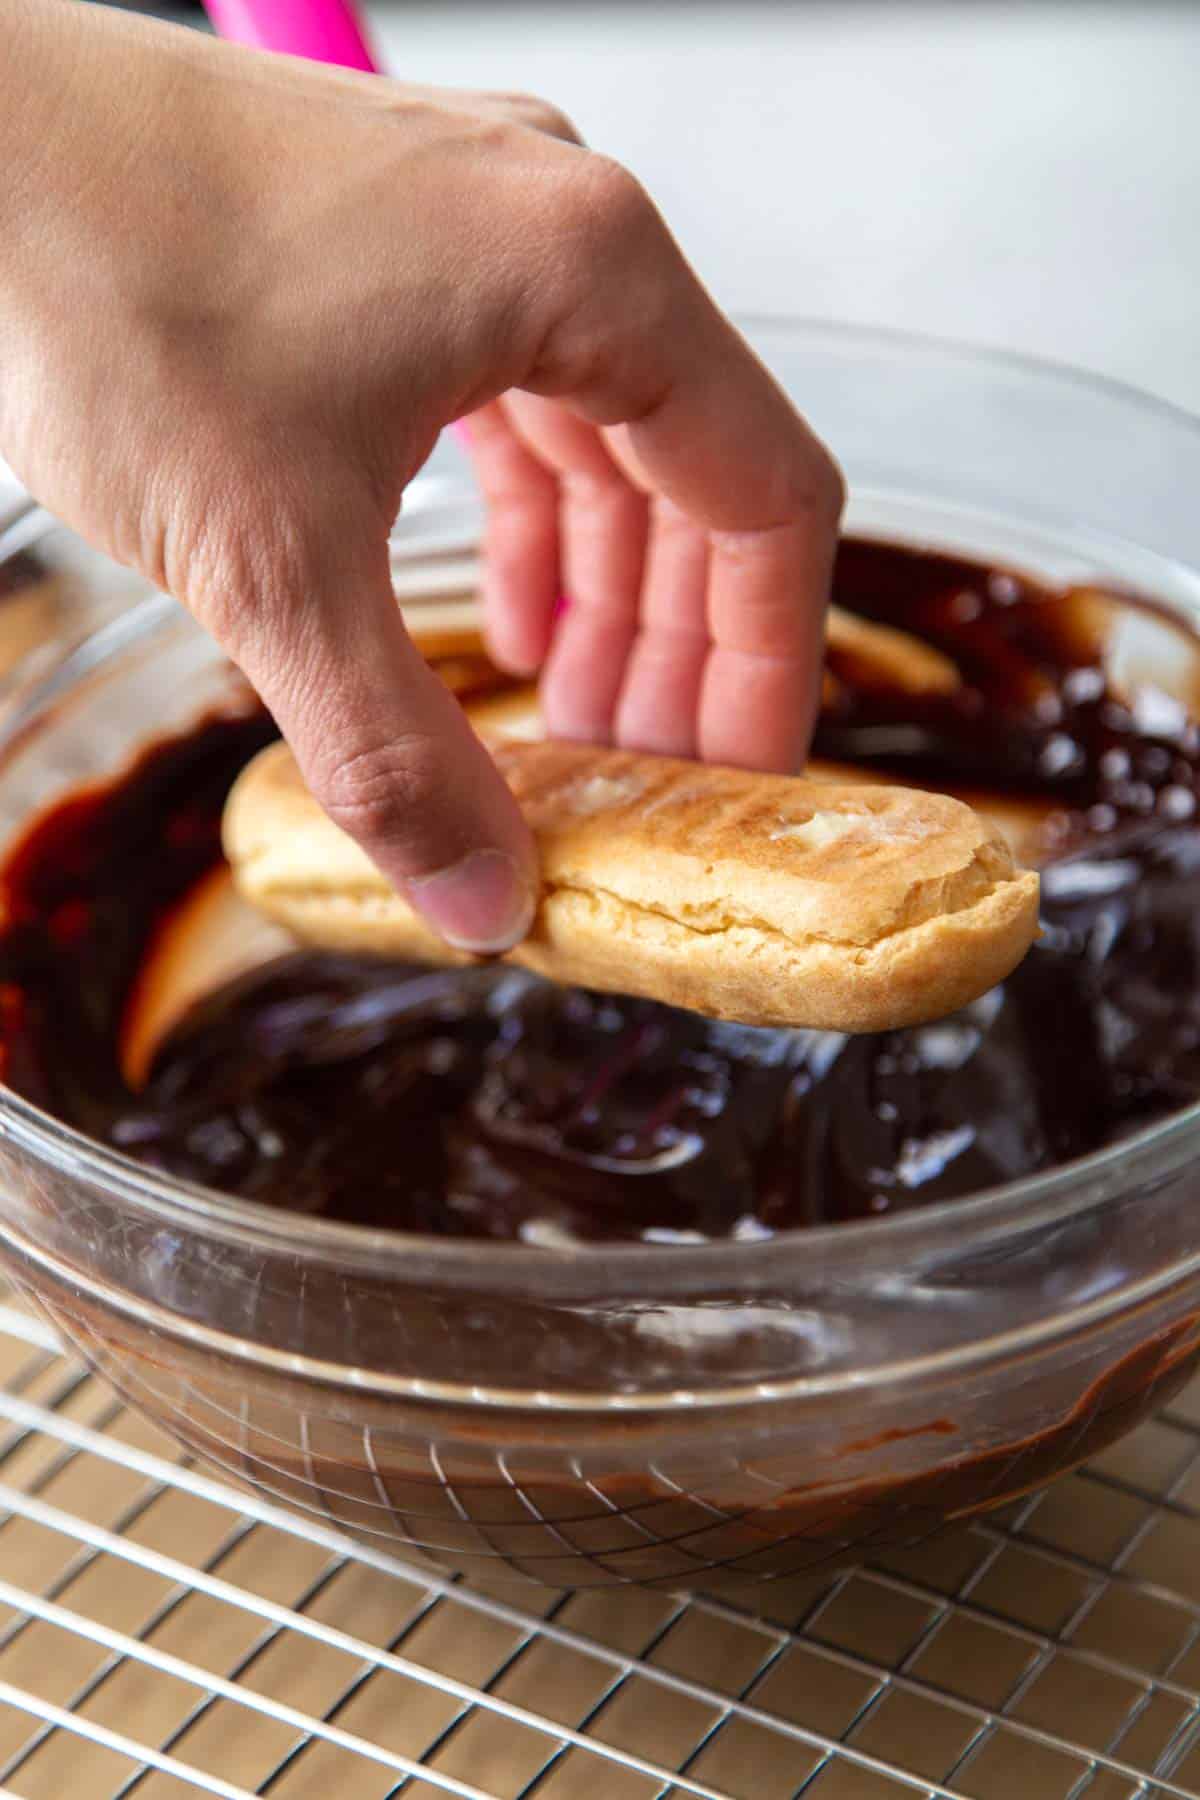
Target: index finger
694,416
728,447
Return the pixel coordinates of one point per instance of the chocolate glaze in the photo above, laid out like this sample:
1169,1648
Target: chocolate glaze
484,1103
19,573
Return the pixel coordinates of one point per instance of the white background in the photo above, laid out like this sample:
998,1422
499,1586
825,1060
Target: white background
1019,175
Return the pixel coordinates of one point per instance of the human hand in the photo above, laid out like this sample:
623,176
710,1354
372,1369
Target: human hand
239,298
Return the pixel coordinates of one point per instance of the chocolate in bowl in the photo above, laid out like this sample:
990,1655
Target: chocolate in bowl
673,1412
553,1116
581,1423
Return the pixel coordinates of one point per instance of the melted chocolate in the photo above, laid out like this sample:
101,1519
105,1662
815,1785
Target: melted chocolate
19,573
1035,715
487,1104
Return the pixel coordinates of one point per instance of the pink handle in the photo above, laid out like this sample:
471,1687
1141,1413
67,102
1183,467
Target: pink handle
322,30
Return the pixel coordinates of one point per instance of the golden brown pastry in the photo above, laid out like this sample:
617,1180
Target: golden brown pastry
29,617
764,898
1020,819
513,712
444,628
866,655
212,938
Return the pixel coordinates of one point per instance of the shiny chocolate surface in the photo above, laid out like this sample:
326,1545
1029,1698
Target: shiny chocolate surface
483,1103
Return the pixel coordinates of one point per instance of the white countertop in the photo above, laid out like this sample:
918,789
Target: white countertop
1019,175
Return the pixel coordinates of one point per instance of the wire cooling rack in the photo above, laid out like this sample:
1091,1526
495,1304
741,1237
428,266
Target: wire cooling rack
162,1635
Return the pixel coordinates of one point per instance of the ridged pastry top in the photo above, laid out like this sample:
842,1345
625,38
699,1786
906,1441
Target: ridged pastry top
760,897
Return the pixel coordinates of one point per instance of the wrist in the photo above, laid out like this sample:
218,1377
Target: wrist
86,91
84,88
45,50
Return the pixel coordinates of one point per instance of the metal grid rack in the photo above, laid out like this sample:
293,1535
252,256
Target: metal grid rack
162,1635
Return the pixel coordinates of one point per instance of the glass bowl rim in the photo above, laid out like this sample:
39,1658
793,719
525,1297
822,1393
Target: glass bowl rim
1050,370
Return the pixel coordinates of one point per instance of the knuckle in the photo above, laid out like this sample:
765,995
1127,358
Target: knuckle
599,497
496,136
619,275
541,115
381,792
672,525
614,202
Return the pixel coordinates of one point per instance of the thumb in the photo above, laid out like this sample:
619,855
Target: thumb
387,751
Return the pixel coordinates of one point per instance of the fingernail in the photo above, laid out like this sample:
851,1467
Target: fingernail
461,430
482,904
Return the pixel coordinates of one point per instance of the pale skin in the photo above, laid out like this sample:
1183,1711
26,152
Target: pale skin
240,296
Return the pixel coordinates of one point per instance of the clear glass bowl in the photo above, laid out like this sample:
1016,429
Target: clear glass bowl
669,1415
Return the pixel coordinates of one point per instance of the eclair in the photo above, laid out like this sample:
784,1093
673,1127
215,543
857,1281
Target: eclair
1022,820
30,615
767,899
445,628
